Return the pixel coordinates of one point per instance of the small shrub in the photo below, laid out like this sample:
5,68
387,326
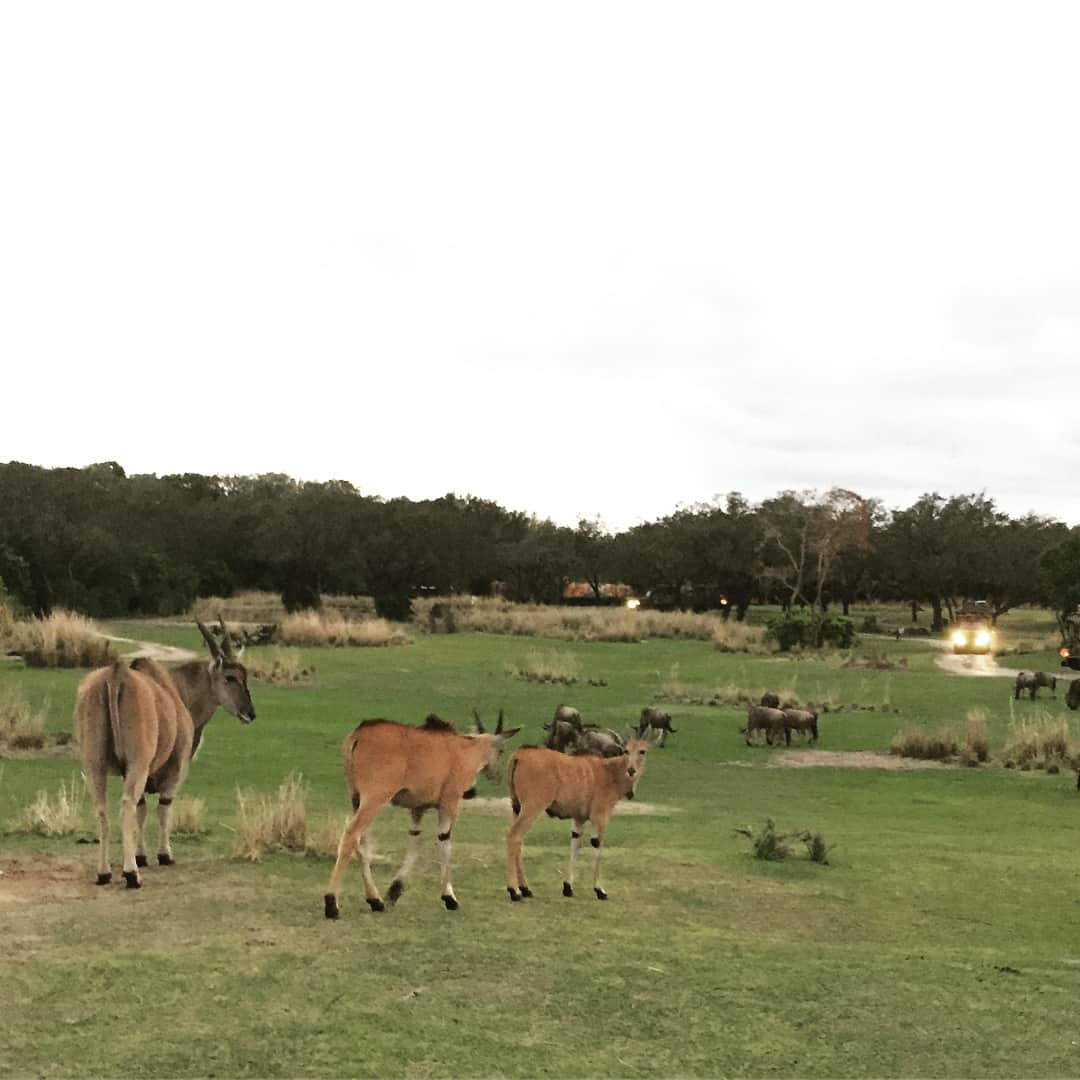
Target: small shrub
736,637
323,842
21,728
60,640
548,667
803,628
767,844
280,667
1036,742
816,847
307,628
926,745
60,816
976,741
268,823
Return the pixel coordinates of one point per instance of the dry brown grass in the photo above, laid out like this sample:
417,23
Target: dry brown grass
280,667
21,726
189,816
548,667
62,639
930,746
59,815
976,748
321,628
1041,741
268,823
619,624
266,607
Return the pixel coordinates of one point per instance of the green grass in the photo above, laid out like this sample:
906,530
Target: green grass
939,941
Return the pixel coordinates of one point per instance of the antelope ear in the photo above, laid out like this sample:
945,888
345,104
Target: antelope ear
504,735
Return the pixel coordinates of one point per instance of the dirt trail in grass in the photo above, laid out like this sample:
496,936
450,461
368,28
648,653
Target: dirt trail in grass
32,879
501,807
849,759
163,654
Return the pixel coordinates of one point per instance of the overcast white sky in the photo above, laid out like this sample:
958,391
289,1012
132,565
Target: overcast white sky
579,258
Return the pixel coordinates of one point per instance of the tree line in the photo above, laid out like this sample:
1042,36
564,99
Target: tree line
99,541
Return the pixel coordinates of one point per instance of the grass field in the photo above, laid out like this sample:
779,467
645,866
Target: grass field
941,939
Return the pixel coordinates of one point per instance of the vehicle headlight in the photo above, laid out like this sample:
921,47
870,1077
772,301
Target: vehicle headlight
959,637
982,637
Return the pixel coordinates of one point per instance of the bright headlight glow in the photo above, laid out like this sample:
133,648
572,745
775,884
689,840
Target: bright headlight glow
982,637
959,637
633,603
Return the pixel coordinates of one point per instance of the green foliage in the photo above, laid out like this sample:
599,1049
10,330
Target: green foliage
803,628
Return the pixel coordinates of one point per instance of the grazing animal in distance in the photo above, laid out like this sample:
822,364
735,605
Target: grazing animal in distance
1072,695
565,729
144,723
658,721
602,742
770,700
584,788
1031,681
420,769
802,720
770,720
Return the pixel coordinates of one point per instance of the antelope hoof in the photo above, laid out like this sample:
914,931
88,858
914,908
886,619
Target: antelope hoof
567,889
397,887
376,905
513,894
140,860
165,859
131,877
104,879
526,892
450,902
331,904
600,894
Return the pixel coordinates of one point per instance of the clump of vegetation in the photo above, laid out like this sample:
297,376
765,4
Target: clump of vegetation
281,667
736,637
61,639
323,841
976,748
806,629
269,823
21,726
875,662
59,815
189,816
548,667
1042,741
917,742
772,846
253,606
318,628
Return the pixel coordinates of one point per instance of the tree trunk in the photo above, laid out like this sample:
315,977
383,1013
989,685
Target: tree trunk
937,623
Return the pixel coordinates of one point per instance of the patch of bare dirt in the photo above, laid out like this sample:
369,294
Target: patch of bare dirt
974,666
501,807
849,759
153,650
31,879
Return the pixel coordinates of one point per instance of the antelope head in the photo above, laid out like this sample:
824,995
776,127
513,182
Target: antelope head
498,739
228,677
634,760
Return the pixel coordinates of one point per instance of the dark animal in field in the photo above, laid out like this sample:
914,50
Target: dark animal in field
1031,681
1072,695
802,720
764,718
145,723
582,788
420,769
565,729
770,700
658,721
603,742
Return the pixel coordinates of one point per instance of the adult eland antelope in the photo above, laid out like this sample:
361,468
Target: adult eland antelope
584,788
144,723
419,768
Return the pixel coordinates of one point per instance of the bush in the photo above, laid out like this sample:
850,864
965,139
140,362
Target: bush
60,817
60,640
928,746
271,823
803,628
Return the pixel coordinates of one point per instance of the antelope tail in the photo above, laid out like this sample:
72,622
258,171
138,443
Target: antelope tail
113,685
515,802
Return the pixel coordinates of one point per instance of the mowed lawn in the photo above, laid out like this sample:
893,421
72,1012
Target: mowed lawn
943,938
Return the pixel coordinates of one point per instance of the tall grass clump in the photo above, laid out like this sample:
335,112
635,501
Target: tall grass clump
269,823
976,748
61,814
917,742
253,606
280,667
551,666
189,816
21,726
736,637
1041,741
61,639
320,628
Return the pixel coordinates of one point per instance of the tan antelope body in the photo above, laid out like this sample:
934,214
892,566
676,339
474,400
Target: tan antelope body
417,768
144,723
584,788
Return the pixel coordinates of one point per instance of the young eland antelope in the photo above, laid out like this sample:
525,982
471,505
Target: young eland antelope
584,788
144,723
418,768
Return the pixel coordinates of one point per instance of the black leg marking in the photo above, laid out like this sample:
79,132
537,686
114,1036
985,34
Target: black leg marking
414,832
444,835
140,860
165,859
567,889
104,879
595,841
165,800
142,801
600,894
513,894
376,905
450,902
356,802
331,904
397,887
575,835
526,891
470,794
515,806
131,877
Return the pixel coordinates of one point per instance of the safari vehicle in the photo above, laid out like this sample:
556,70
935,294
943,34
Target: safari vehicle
972,628
1070,650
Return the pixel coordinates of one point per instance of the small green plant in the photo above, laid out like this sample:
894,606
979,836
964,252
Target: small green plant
772,846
